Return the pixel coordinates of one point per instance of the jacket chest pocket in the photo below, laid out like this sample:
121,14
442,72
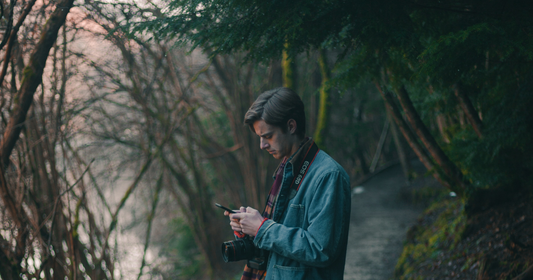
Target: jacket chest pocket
295,215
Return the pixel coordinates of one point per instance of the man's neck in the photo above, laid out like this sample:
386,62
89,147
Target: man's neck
296,145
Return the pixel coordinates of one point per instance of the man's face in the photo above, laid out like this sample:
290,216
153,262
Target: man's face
272,139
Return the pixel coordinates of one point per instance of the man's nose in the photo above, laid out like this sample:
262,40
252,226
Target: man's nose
263,144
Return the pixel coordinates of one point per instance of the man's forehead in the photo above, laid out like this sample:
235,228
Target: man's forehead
262,128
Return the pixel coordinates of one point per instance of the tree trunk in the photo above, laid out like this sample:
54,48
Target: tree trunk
288,70
450,171
402,155
411,138
469,110
381,143
32,77
359,156
12,35
442,125
325,104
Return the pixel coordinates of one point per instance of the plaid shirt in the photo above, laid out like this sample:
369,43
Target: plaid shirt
256,274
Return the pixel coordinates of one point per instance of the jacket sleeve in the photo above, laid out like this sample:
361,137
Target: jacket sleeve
328,220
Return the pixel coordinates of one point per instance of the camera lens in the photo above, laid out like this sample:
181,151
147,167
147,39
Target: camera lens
237,250
228,251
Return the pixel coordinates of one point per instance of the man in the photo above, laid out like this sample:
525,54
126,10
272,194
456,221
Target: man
306,219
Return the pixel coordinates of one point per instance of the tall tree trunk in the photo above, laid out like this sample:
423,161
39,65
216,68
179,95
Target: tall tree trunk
288,70
31,79
325,103
359,155
450,170
381,144
442,125
400,148
12,35
411,138
468,109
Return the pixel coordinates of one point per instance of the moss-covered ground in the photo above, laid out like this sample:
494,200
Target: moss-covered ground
446,243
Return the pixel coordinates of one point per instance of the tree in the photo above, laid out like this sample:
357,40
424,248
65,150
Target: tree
419,47
50,228
180,115
32,76
325,103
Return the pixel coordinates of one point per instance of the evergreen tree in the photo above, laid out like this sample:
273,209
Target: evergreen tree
462,66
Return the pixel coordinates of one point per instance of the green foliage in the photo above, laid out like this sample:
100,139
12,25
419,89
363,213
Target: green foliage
503,156
262,27
428,46
183,260
428,195
425,242
218,121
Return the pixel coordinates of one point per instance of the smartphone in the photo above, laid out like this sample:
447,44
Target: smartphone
225,208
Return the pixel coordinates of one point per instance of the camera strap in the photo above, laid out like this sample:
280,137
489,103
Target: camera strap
260,263
308,159
299,170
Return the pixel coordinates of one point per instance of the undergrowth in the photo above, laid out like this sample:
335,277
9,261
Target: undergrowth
446,243
425,242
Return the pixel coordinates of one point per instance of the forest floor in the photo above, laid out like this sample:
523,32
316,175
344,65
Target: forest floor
494,244
421,232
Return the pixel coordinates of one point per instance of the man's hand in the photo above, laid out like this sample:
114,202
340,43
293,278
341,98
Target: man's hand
235,223
249,221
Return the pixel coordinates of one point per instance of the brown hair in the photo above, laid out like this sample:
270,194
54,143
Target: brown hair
276,107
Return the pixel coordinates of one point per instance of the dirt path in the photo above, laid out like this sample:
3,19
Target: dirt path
379,221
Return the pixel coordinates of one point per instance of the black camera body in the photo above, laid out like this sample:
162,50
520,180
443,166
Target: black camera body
244,249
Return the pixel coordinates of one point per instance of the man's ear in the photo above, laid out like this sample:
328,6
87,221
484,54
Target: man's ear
292,125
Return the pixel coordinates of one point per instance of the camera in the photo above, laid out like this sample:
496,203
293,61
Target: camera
244,249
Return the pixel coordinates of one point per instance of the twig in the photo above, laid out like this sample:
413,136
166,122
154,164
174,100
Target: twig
129,191
225,151
526,275
57,201
150,220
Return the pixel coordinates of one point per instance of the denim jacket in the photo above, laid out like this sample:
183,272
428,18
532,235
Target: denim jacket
308,234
